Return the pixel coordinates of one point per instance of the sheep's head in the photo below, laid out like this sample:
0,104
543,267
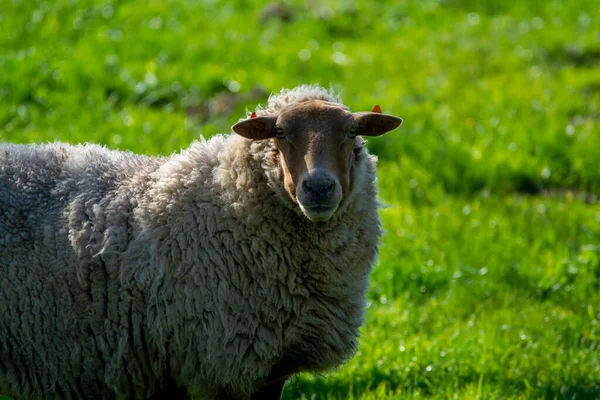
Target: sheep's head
317,141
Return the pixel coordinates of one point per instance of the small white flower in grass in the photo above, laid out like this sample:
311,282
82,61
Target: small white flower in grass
22,111
570,130
77,23
546,173
473,19
304,54
150,79
537,23
37,16
340,58
584,20
108,12
116,35
140,88
233,86
156,23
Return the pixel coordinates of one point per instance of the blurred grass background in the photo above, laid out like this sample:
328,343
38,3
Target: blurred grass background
488,280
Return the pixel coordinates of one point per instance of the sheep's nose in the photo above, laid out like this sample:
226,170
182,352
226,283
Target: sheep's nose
319,194
320,186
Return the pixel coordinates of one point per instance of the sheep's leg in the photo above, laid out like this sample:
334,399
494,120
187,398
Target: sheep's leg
271,391
267,391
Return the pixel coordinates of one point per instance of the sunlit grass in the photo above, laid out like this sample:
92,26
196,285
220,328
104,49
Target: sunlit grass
488,280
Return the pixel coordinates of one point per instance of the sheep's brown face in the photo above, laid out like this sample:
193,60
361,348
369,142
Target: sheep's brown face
317,140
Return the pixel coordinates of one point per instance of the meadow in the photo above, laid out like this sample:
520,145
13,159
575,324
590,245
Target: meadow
488,282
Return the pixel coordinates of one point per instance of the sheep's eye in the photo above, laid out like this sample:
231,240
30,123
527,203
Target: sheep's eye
353,132
279,132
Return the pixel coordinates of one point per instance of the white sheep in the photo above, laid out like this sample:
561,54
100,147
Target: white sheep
216,272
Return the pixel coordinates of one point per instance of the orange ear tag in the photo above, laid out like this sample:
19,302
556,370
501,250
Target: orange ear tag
253,115
377,109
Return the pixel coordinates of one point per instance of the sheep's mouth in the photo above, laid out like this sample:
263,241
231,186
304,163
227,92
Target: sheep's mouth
319,213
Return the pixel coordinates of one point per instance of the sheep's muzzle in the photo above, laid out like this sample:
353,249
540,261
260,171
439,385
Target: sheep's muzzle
319,194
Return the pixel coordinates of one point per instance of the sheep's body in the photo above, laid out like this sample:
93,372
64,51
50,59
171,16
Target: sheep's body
121,273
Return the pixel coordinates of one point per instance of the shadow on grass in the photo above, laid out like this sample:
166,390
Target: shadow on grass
571,392
322,387
438,387
576,56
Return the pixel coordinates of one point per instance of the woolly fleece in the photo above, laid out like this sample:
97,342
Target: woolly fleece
120,272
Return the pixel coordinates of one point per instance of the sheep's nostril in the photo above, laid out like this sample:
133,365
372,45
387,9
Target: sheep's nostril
306,186
320,187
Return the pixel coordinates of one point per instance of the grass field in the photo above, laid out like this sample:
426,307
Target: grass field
488,284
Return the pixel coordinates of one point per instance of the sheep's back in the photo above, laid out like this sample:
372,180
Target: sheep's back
39,182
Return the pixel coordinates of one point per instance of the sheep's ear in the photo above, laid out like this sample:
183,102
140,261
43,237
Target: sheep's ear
256,128
375,123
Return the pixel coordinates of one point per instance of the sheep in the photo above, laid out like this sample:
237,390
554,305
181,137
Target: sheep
218,272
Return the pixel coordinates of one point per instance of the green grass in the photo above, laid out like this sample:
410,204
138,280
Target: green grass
488,284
